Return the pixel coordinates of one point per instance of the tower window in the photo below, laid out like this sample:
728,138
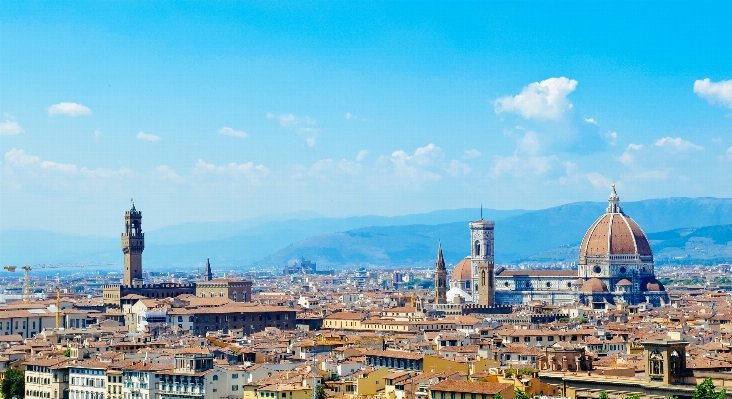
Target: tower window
597,269
477,248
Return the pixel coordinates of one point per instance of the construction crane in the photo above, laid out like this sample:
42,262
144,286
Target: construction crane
28,268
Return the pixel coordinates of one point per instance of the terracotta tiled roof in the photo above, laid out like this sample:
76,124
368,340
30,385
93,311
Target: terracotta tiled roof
480,387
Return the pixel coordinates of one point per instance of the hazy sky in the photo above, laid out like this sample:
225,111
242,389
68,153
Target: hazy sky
221,111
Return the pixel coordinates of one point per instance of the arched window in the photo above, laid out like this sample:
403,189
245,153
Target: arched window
234,296
477,248
482,278
215,377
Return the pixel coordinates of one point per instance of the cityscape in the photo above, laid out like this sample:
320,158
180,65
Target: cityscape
445,229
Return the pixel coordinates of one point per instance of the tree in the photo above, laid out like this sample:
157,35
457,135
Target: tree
604,395
706,390
497,396
13,384
67,352
520,394
320,392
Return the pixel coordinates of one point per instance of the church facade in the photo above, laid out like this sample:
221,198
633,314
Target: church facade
615,267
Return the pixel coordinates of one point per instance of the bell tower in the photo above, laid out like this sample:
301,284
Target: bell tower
133,243
440,278
481,256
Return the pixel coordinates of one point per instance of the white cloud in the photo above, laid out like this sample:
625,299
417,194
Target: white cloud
540,100
18,159
423,156
627,157
457,168
471,154
287,120
412,169
729,153
520,166
611,137
227,131
529,144
70,109
350,116
715,92
598,180
97,133
325,167
677,144
290,121
165,172
253,173
362,155
591,120
9,128
147,137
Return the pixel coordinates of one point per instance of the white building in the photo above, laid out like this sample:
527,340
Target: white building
88,380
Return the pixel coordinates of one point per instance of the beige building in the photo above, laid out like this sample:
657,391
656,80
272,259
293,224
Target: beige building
236,290
666,375
28,322
47,378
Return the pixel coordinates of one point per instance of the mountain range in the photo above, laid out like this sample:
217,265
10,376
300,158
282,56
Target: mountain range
680,229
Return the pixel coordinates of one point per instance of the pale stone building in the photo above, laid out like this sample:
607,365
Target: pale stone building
615,266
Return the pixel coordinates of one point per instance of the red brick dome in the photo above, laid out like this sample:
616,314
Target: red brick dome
594,285
614,233
463,271
651,284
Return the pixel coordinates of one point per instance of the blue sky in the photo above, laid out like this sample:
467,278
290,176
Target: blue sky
223,111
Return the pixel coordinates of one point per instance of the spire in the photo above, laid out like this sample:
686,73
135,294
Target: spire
440,263
481,211
614,202
133,205
207,275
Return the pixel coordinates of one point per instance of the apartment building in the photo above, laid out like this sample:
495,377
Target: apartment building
47,378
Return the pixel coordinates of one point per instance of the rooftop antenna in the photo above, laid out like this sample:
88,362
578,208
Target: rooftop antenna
481,211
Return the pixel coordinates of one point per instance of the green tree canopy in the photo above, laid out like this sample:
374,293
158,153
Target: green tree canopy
604,395
520,394
13,384
707,390
320,392
498,396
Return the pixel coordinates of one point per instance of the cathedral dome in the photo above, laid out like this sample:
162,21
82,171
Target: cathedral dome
463,271
624,281
594,285
651,284
614,233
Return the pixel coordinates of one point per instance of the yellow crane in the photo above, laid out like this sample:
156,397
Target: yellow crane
28,268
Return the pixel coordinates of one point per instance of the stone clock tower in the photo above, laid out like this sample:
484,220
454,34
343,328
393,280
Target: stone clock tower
481,257
133,243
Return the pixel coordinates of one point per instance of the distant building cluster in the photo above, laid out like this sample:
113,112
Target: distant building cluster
608,329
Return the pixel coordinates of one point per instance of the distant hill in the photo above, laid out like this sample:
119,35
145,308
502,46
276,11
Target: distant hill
228,244
543,235
551,234
700,245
